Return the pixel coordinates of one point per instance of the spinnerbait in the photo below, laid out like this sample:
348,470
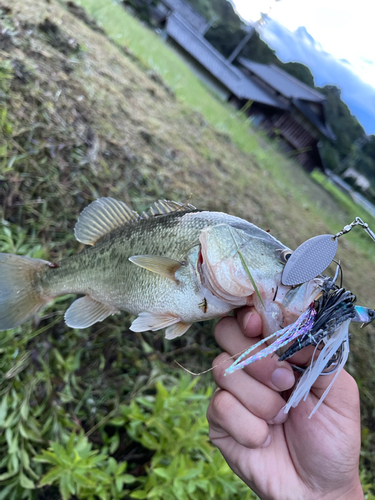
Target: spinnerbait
325,324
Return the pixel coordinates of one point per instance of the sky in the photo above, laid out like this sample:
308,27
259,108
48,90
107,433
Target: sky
340,29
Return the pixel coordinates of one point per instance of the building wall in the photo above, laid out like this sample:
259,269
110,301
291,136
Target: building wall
295,133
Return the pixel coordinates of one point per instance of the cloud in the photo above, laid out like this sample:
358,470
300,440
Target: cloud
300,46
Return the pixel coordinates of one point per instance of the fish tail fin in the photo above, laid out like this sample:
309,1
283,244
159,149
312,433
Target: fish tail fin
19,294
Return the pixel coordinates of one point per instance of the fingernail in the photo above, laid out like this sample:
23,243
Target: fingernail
247,319
283,379
281,417
267,442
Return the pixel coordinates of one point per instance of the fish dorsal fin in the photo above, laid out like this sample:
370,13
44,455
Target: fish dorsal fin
160,265
100,218
163,207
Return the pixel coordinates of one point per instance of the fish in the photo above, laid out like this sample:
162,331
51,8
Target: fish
171,267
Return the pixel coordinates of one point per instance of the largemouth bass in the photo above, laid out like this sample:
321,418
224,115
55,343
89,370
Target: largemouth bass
171,267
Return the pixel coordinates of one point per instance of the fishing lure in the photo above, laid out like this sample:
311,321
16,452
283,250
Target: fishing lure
324,325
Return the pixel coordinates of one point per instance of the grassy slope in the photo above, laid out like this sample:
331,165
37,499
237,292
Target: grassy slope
91,120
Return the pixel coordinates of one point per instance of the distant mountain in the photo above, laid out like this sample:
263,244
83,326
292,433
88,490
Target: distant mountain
301,47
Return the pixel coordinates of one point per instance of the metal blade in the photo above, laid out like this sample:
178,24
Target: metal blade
309,260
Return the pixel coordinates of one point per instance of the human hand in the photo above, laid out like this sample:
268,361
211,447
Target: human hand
283,456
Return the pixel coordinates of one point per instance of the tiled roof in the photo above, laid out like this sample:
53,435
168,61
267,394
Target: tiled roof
321,125
282,82
190,15
230,76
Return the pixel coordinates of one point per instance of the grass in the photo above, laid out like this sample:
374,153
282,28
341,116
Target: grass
349,207
126,118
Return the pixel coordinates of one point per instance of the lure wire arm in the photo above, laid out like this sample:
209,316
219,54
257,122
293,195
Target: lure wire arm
356,222
331,367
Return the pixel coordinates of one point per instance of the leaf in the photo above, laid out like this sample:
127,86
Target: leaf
118,421
14,445
26,483
128,479
61,453
4,494
14,462
11,419
24,410
117,468
52,475
70,443
190,473
29,434
119,483
25,460
64,488
83,481
140,494
162,472
47,457
8,475
9,436
3,409
114,444
149,441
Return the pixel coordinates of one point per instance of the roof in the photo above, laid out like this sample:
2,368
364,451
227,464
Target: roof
230,76
190,15
321,125
282,82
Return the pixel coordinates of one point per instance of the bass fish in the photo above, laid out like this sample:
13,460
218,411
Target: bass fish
170,267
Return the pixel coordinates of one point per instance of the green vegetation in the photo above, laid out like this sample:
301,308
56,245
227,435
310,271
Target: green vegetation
96,414
348,205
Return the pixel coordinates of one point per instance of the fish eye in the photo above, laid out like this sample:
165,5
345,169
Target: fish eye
285,255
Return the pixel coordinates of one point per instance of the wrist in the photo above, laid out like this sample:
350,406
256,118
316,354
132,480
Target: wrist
354,493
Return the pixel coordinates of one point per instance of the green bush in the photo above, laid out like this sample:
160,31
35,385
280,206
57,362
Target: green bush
185,465
79,470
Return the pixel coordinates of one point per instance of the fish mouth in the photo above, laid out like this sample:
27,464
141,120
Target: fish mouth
293,301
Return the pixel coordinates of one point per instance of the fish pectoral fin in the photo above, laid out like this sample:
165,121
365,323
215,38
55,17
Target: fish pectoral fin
160,265
86,311
176,330
100,218
150,321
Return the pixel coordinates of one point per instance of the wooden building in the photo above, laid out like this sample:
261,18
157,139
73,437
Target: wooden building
301,122
279,103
